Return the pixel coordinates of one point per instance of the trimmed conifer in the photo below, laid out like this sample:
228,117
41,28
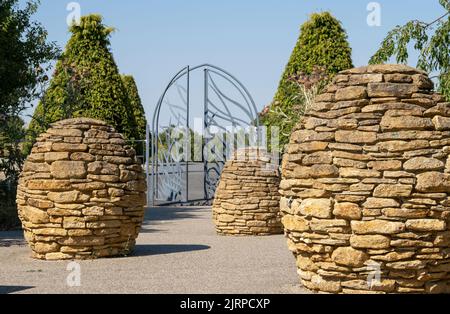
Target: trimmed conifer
136,105
322,43
86,82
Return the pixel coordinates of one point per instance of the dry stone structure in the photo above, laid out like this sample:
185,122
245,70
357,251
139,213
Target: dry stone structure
247,199
365,185
81,194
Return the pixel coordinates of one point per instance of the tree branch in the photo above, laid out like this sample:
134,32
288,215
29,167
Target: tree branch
439,75
437,20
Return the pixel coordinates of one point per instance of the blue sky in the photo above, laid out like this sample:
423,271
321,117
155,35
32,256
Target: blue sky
250,38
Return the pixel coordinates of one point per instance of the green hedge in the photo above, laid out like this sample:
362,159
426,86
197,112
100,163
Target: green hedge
322,42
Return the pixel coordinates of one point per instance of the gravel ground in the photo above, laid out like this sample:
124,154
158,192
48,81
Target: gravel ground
177,252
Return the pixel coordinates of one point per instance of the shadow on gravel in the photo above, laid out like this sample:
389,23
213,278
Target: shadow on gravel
11,238
160,249
12,289
155,215
171,213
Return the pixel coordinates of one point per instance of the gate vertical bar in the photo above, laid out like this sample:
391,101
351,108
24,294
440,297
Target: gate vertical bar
154,153
147,161
205,129
188,133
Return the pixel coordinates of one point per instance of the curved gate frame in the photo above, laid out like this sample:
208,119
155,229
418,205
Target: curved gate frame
209,84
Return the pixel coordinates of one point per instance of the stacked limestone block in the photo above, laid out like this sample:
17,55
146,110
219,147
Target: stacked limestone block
81,194
365,185
247,198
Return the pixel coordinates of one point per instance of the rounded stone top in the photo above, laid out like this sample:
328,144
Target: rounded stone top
81,193
366,184
384,69
78,121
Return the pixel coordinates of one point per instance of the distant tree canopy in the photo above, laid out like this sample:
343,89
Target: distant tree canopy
431,39
24,54
322,43
87,83
136,105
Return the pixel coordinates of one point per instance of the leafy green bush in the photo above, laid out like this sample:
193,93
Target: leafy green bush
322,43
87,83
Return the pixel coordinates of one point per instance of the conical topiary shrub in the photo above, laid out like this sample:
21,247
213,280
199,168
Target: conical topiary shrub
87,83
136,105
137,110
322,43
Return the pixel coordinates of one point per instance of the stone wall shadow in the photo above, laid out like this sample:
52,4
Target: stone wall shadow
171,213
162,249
12,289
12,238
155,215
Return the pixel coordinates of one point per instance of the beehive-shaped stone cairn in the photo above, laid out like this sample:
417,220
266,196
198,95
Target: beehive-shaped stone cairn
247,198
81,194
365,185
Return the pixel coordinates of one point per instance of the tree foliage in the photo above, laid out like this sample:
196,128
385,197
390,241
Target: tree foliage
322,43
11,155
432,40
87,82
135,105
24,56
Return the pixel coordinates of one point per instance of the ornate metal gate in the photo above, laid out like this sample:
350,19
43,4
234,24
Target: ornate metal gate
188,150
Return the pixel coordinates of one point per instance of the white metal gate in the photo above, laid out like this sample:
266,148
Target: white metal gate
227,111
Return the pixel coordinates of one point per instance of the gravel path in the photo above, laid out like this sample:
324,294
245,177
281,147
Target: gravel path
177,252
